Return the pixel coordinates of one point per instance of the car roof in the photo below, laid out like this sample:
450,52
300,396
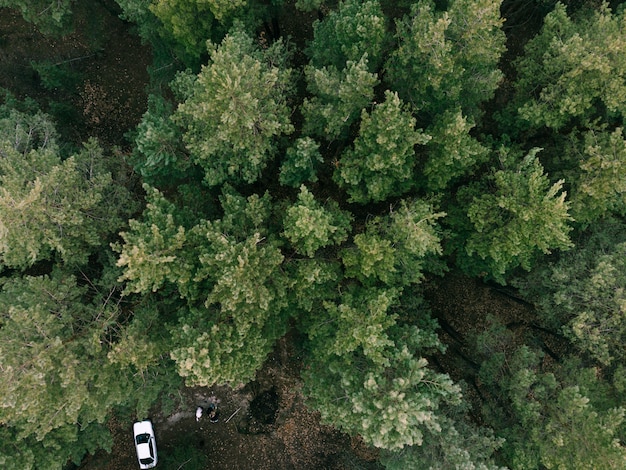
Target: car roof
143,427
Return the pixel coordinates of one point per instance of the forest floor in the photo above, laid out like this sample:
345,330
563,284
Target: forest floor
262,426
266,425
94,79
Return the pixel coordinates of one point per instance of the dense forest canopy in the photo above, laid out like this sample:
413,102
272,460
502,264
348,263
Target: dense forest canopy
315,168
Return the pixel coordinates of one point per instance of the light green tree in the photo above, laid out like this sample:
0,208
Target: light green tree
395,249
53,350
366,375
236,108
599,178
310,225
460,445
153,249
50,206
452,151
227,273
381,162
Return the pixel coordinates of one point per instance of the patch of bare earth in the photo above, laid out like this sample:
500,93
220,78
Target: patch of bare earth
264,425
110,96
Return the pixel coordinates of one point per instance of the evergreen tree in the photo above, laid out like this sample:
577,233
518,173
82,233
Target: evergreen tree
236,108
523,216
52,206
367,377
573,69
356,29
446,60
52,17
310,226
381,162
339,95
583,293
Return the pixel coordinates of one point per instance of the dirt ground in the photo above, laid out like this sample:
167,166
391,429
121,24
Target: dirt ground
108,63
262,426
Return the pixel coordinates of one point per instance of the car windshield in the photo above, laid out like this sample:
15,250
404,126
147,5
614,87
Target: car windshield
143,438
146,461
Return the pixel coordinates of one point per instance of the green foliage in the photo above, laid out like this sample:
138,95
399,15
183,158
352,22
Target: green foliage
300,163
228,341
308,5
373,382
360,322
158,142
599,184
51,206
189,22
310,226
557,424
313,282
339,95
355,30
584,293
446,60
56,76
236,109
151,251
523,216
453,152
459,445
51,337
395,249
229,273
63,445
381,162
52,17
208,278
24,131
574,69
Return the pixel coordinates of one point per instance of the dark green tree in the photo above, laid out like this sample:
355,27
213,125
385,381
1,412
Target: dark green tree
555,419
356,29
52,17
523,216
300,163
583,293
573,69
446,60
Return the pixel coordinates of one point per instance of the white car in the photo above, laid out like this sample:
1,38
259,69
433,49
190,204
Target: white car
145,443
